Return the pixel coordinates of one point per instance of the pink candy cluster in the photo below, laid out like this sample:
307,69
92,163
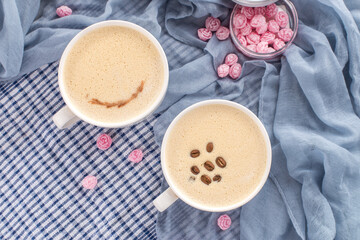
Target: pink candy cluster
231,67
262,29
213,25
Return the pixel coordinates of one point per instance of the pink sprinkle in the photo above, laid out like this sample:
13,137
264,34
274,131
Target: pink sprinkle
63,11
242,40
223,70
262,29
273,26
271,10
282,19
104,141
260,11
268,37
248,12
212,24
252,47
257,21
204,34
231,59
222,33
136,156
253,38
262,47
239,21
278,44
235,71
89,182
285,34
224,222
246,30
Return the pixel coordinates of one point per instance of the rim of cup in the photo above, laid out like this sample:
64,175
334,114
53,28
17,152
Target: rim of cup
268,155
139,117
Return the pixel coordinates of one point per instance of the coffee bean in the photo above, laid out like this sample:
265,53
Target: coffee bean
209,166
220,162
195,170
217,178
206,179
195,153
209,147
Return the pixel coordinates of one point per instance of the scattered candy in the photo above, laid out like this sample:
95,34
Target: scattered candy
63,11
242,40
212,24
104,141
285,34
262,47
222,33
246,30
239,21
223,70
89,182
271,10
253,38
273,26
282,19
136,156
224,222
260,11
248,12
235,71
252,47
268,37
278,44
204,34
231,59
257,21
262,29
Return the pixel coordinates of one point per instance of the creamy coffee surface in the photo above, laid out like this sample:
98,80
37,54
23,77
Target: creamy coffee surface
113,74
232,155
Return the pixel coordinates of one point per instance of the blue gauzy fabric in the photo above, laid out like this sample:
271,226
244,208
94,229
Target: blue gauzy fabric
308,101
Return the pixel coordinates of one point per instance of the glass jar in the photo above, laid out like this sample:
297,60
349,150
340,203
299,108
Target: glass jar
286,5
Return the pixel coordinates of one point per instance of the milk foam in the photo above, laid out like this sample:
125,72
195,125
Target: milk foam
109,64
236,138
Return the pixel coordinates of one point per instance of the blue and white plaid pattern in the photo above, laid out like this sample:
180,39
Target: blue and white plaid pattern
41,169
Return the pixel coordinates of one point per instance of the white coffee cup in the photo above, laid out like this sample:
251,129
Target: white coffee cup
69,114
169,196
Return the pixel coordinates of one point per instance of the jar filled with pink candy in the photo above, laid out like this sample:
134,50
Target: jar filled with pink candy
263,29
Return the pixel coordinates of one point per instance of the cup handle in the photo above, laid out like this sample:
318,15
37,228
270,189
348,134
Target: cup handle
165,200
65,118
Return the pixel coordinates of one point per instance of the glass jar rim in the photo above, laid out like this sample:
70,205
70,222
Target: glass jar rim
254,3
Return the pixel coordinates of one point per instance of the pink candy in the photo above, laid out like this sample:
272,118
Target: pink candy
104,141
268,37
248,12
271,10
223,70
262,47
285,34
273,26
262,29
89,182
204,34
235,71
242,40
246,30
239,21
270,50
282,19
253,38
222,33
136,156
231,59
224,222
63,11
252,47
278,44
212,24
260,11
257,21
